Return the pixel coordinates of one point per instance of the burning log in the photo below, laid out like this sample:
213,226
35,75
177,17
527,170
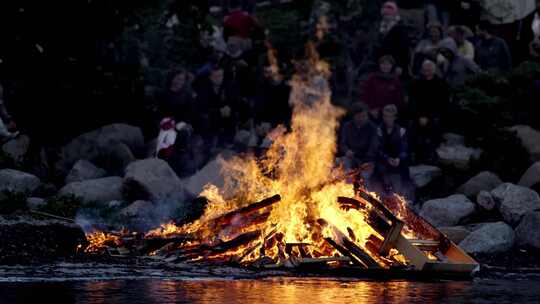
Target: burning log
360,254
345,252
227,218
301,248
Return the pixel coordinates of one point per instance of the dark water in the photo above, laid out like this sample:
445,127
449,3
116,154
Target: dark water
282,291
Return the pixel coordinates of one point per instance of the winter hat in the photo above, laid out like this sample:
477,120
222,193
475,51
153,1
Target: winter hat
167,123
389,8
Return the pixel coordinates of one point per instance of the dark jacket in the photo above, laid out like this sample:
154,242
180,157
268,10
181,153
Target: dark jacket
363,141
380,90
428,98
493,55
272,103
179,105
396,43
393,144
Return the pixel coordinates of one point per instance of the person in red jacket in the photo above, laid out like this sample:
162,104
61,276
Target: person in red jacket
382,88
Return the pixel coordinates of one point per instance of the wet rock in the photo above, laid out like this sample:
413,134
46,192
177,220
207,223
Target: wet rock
154,180
531,176
423,175
137,209
107,147
17,181
101,190
489,238
84,170
447,211
35,203
530,140
25,240
528,232
485,200
515,201
209,174
17,148
482,181
456,234
457,156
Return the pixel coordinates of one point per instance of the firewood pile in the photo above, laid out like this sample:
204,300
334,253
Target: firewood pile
246,238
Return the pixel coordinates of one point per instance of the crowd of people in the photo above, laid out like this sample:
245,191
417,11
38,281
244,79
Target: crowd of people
234,99
396,120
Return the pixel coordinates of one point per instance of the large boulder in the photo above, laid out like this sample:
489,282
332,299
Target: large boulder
84,170
17,181
485,200
423,174
453,139
528,232
530,140
515,201
456,234
489,238
101,190
447,211
110,147
531,176
27,240
209,174
457,156
153,179
482,181
35,203
17,148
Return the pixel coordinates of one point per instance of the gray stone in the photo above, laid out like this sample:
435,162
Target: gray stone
515,201
482,181
103,147
209,174
447,211
84,170
423,175
531,176
17,148
489,238
138,209
101,190
35,202
528,232
530,140
17,181
457,156
155,178
455,234
485,200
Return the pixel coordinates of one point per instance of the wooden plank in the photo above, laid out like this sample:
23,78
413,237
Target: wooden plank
377,204
360,254
414,255
345,252
426,245
391,238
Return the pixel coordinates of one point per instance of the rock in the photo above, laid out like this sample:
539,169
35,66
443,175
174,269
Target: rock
531,176
17,181
209,174
27,240
485,200
155,180
457,156
455,234
515,201
137,209
453,139
84,170
530,140
482,181
35,202
527,233
101,190
103,147
447,211
423,175
17,147
489,238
